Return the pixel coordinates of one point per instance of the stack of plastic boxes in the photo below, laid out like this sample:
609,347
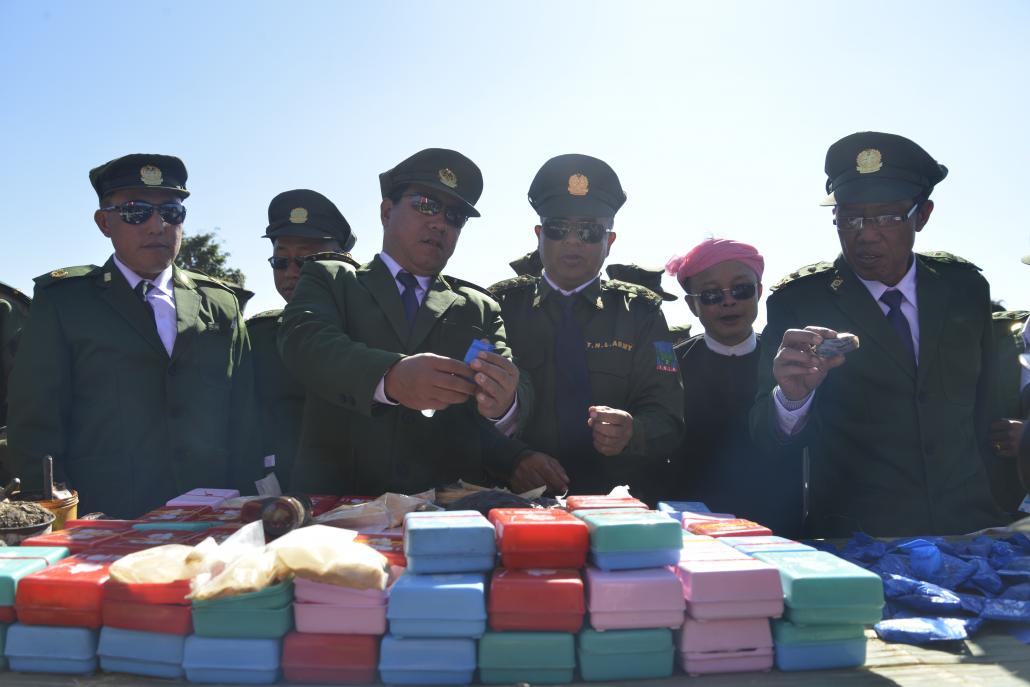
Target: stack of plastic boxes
59,615
437,608
536,600
17,562
730,598
633,596
828,600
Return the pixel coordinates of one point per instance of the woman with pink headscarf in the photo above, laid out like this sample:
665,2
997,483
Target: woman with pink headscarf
718,462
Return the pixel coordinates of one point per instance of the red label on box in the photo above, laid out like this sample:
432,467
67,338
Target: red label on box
390,544
175,514
598,501
78,540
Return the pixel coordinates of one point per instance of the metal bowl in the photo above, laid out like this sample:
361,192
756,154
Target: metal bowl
13,536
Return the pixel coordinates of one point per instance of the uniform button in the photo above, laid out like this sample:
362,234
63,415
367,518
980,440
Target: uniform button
171,370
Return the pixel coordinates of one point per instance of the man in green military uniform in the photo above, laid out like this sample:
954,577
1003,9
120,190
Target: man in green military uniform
895,428
609,405
302,225
379,348
135,376
1012,398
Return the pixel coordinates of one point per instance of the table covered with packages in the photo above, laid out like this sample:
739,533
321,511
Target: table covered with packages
600,589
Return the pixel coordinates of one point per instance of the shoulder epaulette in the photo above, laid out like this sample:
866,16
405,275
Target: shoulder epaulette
65,273
455,283
266,315
184,276
944,258
507,285
1011,315
333,255
806,271
14,294
632,289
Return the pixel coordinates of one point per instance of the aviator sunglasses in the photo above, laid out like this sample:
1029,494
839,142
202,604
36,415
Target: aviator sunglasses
431,207
587,232
139,211
740,292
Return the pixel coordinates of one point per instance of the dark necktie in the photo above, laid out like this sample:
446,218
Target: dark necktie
572,386
898,321
409,297
142,290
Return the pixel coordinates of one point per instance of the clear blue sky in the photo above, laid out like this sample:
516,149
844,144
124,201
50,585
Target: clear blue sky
716,116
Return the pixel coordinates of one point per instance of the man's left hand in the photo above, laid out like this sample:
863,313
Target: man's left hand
496,379
613,428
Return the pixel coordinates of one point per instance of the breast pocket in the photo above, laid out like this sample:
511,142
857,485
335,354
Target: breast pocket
453,337
610,370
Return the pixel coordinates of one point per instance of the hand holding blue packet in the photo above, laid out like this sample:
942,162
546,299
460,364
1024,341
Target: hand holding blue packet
471,354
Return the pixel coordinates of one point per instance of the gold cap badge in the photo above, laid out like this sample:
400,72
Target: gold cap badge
579,185
59,274
868,161
448,178
298,215
151,175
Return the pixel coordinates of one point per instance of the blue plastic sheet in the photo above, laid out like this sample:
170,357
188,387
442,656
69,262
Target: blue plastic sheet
921,630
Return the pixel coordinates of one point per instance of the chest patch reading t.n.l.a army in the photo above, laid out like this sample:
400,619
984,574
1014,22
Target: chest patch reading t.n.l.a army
666,359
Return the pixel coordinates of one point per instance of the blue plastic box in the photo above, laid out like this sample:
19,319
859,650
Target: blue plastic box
233,661
50,649
821,655
449,541
154,654
427,661
441,605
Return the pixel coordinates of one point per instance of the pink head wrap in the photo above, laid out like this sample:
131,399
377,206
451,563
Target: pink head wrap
711,252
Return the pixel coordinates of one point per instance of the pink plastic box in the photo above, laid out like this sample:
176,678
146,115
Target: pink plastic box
725,646
632,599
717,590
331,609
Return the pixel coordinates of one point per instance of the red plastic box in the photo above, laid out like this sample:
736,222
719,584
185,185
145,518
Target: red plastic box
598,501
175,514
78,540
540,538
138,540
115,525
7,615
540,600
148,607
69,593
330,659
737,527
221,515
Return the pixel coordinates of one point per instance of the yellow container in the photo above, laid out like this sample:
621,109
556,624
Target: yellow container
63,509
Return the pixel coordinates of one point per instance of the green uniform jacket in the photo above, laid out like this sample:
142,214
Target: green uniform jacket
631,366
342,331
280,395
14,311
894,449
1008,345
129,427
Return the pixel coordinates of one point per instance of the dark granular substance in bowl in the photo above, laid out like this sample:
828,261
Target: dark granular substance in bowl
22,514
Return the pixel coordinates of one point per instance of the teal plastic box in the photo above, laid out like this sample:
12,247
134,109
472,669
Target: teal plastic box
51,554
534,657
818,647
12,570
265,614
631,530
625,654
820,588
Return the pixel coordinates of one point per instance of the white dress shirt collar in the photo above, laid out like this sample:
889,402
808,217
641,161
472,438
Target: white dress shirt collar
907,285
575,290
745,347
395,268
163,281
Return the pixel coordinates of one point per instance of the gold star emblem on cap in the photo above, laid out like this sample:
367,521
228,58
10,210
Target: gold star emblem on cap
59,274
448,178
151,175
579,185
299,215
868,161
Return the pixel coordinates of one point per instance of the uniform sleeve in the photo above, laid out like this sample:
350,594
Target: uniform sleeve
316,348
39,398
986,391
656,396
247,464
764,419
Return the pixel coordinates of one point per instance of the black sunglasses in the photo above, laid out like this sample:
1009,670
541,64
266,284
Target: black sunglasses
283,263
740,292
588,232
430,206
139,211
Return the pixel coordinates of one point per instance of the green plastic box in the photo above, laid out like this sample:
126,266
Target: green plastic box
264,614
631,530
820,588
12,570
535,657
791,634
625,654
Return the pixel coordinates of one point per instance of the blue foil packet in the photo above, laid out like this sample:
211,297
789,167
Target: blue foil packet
475,347
1007,610
921,630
